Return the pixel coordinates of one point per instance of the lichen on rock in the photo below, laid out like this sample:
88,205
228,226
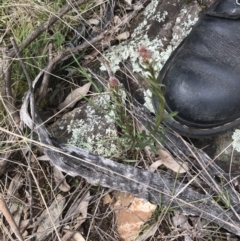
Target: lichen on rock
142,35
90,127
236,140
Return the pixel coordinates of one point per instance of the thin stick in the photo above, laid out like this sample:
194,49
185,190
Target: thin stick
6,91
32,101
6,213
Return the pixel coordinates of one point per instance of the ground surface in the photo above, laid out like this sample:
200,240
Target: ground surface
48,204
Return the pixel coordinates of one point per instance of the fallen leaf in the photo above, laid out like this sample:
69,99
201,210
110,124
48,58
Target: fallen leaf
74,235
17,215
155,166
123,36
78,237
23,224
81,208
141,128
6,213
168,161
14,206
3,165
137,6
50,218
117,20
93,21
181,223
131,213
78,210
15,184
179,220
107,199
129,2
43,158
60,180
75,96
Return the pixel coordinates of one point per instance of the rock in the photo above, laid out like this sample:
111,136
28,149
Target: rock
162,27
91,127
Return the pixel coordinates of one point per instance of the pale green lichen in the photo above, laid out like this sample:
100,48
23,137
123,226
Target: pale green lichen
161,17
148,100
129,49
96,132
108,144
236,140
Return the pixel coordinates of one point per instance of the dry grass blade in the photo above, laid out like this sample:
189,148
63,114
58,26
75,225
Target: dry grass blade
6,89
6,213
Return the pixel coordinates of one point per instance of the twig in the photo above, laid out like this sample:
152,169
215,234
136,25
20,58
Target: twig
6,91
6,213
32,103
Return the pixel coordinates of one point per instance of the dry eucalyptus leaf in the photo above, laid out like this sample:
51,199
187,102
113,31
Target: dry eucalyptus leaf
107,199
18,214
82,208
141,128
72,235
75,96
25,233
78,237
59,178
15,184
123,36
93,21
117,20
138,6
43,158
9,218
50,218
3,165
14,207
23,224
171,163
98,2
78,210
155,166
131,213
129,2
179,220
